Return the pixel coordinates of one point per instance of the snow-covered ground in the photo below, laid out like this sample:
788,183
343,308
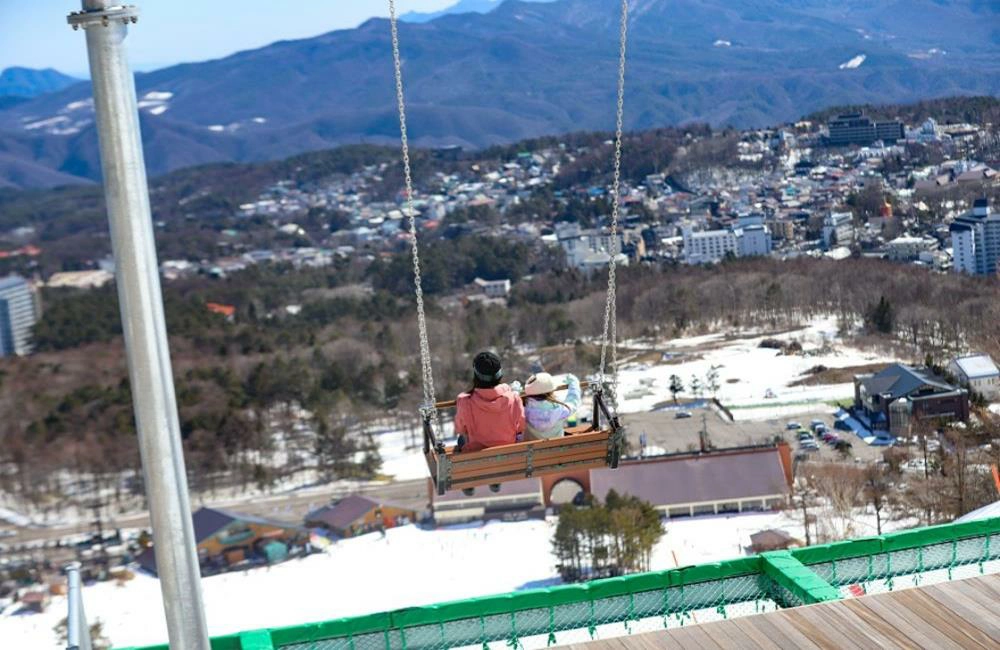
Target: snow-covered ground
754,382
409,567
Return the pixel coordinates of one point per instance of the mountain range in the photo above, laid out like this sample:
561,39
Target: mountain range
522,70
28,82
460,7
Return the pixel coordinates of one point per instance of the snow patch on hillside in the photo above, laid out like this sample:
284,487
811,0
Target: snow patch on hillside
853,63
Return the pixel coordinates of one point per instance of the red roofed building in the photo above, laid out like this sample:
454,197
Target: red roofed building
229,311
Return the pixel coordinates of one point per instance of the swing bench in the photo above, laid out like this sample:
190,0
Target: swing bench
585,446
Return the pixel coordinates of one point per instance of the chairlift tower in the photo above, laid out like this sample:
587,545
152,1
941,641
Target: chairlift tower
139,295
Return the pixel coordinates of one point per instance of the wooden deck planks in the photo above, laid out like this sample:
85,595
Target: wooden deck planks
959,614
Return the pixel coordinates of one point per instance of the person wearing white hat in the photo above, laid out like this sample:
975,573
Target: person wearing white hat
545,416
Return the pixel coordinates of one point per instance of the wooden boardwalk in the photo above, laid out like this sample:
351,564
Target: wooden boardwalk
959,614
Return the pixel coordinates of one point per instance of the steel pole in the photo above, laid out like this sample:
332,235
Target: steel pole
77,630
141,302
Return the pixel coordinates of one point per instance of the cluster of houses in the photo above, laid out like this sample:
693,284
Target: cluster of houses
796,204
791,197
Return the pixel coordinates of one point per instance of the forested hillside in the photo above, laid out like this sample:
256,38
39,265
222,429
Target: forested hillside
349,355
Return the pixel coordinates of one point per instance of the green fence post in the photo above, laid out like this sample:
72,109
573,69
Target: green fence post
256,640
802,582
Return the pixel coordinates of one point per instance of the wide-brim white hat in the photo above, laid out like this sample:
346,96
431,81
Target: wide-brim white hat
541,383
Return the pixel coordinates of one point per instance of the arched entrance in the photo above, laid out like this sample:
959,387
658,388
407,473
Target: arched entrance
571,481
565,491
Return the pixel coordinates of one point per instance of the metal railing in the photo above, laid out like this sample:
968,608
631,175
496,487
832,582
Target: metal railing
656,600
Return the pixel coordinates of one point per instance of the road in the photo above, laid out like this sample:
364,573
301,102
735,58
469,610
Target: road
290,508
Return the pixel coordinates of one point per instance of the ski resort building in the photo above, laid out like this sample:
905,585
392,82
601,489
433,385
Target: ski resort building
710,483
226,539
515,501
356,515
889,400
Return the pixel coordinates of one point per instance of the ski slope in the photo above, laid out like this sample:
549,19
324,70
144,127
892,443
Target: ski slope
410,566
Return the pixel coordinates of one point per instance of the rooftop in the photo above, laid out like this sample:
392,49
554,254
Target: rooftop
702,478
977,365
900,380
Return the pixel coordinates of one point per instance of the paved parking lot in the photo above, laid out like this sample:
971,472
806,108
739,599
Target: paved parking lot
665,431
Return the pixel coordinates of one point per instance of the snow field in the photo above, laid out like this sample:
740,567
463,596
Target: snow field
747,372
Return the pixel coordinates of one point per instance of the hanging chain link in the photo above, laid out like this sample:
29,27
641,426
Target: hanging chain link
411,217
609,337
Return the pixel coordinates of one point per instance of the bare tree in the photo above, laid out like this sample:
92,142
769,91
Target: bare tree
877,490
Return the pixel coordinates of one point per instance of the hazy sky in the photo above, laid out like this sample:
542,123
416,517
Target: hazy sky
34,33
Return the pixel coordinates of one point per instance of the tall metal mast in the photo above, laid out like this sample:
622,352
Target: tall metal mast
141,301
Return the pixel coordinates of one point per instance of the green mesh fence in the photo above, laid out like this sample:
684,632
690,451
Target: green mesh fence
911,567
567,618
658,600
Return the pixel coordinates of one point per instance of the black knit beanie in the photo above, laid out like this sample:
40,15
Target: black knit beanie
487,369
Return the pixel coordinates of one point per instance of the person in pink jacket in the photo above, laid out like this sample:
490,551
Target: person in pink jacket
490,413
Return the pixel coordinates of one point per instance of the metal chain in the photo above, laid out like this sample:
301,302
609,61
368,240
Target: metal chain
425,352
610,304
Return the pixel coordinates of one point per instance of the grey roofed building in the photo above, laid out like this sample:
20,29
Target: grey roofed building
912,393
898,380
694,483
343,513
209,522
356,514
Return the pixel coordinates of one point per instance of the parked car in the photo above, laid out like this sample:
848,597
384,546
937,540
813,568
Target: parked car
680,415
820,429
792,426
816,424
843,445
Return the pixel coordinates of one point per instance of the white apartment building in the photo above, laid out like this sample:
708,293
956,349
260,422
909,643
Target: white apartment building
907,247
748,239
709,245
975,240
17,316
838,229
